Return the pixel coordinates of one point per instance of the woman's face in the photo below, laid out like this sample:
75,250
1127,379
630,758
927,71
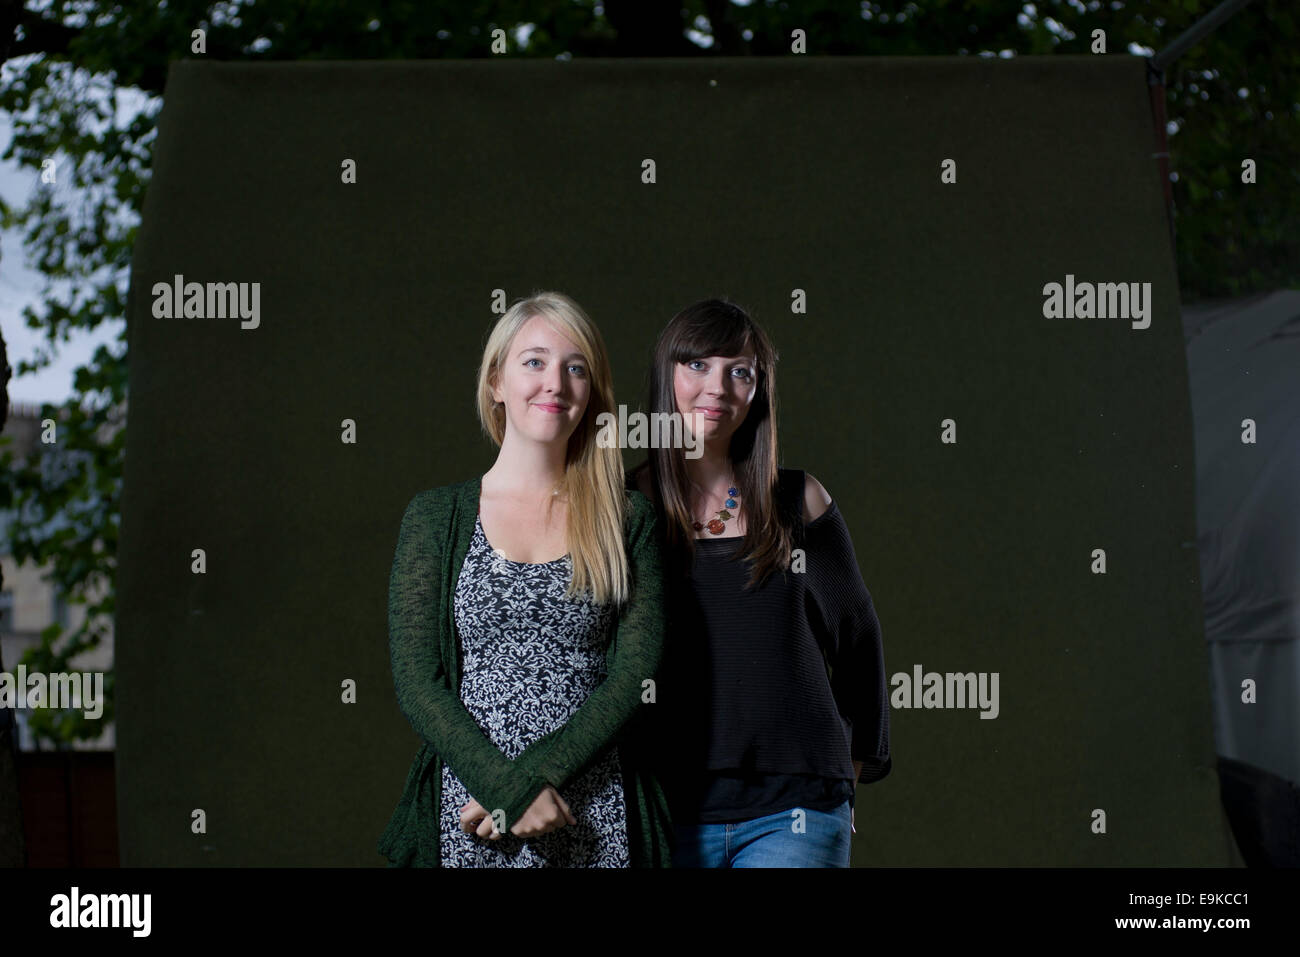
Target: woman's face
544,382
714,394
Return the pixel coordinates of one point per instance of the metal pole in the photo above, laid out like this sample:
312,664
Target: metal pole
1195,33
1156,89
1156,67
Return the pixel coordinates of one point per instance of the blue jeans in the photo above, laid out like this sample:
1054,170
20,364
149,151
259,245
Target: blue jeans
799,837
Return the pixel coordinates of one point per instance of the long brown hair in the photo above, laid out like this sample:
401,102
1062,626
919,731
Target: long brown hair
719,327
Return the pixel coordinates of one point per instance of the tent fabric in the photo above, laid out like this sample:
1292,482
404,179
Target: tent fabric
1243,360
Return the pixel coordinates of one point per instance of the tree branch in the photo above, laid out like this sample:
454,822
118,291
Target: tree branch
39,35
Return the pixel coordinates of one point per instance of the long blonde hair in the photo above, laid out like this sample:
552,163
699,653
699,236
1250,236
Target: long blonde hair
593,476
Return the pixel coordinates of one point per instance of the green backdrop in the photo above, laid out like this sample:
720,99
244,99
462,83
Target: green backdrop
924,303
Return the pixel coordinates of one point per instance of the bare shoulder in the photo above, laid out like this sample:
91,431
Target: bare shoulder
816,500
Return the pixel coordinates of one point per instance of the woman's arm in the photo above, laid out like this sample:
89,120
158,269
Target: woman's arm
420,675
854,648
559,756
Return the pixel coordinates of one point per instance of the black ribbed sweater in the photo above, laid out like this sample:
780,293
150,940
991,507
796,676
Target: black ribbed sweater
784,679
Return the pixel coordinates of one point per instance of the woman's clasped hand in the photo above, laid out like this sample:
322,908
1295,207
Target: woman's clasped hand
547,813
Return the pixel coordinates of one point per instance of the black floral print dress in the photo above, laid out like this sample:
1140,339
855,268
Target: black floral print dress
530,658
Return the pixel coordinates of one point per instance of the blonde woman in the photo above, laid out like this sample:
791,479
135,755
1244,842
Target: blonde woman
524,621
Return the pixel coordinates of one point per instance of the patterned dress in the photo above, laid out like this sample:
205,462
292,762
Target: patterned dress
531,657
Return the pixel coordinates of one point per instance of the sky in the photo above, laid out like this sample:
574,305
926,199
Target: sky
21,285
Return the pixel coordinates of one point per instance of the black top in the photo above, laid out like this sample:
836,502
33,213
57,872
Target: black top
767,695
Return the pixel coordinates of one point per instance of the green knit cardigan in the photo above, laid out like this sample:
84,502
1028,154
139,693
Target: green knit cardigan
425,652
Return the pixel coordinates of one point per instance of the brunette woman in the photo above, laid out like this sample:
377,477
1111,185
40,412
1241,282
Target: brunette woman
773,696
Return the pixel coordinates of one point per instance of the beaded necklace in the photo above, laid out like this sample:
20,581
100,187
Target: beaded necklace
717,526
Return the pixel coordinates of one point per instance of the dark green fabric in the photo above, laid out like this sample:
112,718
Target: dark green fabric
434,538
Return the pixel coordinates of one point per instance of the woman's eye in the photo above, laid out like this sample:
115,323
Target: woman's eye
743,373
532,360
578,370
695,362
